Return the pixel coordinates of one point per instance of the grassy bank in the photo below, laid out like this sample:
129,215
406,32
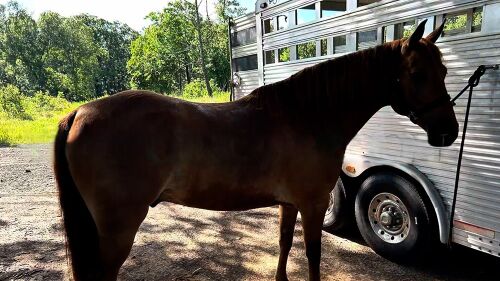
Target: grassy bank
37,121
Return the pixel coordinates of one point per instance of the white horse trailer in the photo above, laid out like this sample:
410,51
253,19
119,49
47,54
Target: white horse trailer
390,153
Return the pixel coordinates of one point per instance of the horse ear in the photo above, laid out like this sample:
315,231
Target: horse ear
433,37
417,34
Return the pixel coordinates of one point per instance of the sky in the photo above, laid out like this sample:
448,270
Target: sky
126,11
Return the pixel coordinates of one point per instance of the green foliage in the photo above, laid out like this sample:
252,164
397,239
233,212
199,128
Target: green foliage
82,57
11,102
198,89
166,57
306,50
39,118
284,54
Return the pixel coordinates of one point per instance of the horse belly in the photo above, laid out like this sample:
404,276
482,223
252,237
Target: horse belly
219,199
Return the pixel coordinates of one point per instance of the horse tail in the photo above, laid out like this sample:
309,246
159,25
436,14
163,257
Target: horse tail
81,232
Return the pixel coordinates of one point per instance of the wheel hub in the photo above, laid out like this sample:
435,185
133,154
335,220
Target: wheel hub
389,218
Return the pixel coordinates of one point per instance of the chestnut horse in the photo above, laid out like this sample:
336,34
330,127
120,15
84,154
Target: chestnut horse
282,144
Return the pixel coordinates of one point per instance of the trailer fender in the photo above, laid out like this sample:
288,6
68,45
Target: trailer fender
354,166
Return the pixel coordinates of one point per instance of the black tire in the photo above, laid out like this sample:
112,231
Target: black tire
336,215
403,231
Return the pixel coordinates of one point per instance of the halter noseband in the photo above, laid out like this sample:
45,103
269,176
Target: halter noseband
416,114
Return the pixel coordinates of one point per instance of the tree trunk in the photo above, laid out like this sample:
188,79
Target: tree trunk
202,51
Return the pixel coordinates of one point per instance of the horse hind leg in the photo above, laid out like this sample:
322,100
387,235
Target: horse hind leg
288,217
116,236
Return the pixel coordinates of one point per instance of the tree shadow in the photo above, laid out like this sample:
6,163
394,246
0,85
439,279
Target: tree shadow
38,258
222,246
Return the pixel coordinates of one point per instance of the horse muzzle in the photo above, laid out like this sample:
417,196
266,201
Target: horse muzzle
441,139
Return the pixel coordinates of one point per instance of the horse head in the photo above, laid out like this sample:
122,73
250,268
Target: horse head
421,92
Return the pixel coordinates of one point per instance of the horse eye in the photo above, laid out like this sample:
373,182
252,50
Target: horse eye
417,77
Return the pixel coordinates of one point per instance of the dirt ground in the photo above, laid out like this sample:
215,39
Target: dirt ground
179,243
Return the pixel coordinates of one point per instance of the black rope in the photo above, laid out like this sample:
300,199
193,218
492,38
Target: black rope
473,82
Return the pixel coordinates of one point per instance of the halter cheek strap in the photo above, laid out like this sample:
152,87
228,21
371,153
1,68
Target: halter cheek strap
414,114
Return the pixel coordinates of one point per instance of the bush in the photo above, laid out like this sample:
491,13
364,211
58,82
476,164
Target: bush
44,105
11,102
4,138
197,89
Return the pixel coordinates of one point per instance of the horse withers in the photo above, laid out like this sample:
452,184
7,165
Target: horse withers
282,144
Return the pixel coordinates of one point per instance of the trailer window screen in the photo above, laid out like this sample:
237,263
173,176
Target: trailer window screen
463,22
324,47
339,44
330,8
477,19
306,14
366,39
284,54
244,37
306,50
366,2
405,29
270,57
269,26
455,24
282,22
245,63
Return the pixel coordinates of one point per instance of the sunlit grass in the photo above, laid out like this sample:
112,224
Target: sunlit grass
42,126
41,129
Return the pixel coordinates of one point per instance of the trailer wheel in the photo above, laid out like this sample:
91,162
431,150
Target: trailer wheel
335,216
392,217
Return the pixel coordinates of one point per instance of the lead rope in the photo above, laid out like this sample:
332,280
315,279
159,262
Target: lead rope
473,82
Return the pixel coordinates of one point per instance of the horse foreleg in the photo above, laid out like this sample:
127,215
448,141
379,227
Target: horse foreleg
312,222
288,217
115,241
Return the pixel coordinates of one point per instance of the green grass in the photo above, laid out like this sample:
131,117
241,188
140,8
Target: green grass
218,97
41,127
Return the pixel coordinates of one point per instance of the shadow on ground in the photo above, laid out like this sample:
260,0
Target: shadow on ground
38,259
441,263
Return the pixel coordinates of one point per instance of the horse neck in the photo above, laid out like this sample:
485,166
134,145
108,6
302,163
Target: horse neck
344,93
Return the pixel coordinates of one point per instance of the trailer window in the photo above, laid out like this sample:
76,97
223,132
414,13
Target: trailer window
463,22
284,54
366,39
405,29
477,19
306,14
245,63
269,26
270,57
339,44
330,8
324,47
282,22
366,2
306,50
243,37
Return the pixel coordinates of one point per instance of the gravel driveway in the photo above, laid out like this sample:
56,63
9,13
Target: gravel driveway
180,243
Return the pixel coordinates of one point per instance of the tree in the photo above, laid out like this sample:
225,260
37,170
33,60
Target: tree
202,50
82,57
164,58
227,9
20,53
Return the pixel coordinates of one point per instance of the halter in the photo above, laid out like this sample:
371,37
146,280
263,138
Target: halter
416,114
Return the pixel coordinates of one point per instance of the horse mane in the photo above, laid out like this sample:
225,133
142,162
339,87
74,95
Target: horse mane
331,84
